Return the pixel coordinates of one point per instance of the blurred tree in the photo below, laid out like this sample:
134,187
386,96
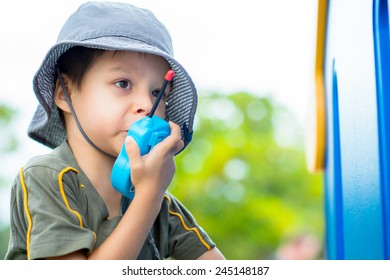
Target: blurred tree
8,143
244,176
4,237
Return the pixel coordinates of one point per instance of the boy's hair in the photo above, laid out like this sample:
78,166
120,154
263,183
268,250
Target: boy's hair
77,61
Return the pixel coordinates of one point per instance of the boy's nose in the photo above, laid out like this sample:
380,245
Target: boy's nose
142,111
143,104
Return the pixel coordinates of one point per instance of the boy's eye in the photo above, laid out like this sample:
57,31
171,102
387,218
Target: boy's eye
156,92
124,84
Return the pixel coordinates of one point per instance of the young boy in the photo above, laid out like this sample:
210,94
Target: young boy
101,76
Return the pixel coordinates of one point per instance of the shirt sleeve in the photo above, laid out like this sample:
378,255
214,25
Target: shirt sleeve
49,219
187,240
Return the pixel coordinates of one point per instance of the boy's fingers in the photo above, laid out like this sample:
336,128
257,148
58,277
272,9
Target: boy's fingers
175,137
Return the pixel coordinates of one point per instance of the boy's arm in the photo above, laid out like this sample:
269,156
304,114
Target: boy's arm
213,254
126,241
151,175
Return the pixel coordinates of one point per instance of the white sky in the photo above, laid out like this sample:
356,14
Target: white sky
261,46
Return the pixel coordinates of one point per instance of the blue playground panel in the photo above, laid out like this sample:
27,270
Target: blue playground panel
356,78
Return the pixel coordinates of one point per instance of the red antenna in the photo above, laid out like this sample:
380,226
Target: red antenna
168,77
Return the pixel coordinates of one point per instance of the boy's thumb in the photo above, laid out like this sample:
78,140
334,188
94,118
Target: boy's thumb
132,148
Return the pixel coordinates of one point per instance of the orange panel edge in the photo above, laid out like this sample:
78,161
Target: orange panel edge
315,133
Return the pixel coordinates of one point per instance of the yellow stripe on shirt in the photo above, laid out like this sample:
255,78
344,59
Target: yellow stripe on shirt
61,186
27,210
65,199
184,224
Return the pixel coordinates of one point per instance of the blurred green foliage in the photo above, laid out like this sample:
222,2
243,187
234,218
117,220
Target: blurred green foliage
244,176
4,237
8,141
8,144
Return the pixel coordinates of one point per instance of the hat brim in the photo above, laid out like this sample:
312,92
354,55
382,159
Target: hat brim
46,126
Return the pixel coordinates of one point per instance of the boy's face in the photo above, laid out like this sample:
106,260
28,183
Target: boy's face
119,89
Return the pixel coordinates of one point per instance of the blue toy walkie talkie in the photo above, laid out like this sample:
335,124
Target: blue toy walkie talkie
147,132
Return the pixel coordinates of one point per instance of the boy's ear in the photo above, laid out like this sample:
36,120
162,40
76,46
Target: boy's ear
59,95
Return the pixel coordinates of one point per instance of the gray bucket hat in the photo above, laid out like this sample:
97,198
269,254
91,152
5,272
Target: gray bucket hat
110,26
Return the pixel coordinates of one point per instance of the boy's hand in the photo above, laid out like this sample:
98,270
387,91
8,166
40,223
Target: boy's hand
152,173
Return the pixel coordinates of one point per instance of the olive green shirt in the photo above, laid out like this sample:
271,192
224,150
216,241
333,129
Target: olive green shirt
55,210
